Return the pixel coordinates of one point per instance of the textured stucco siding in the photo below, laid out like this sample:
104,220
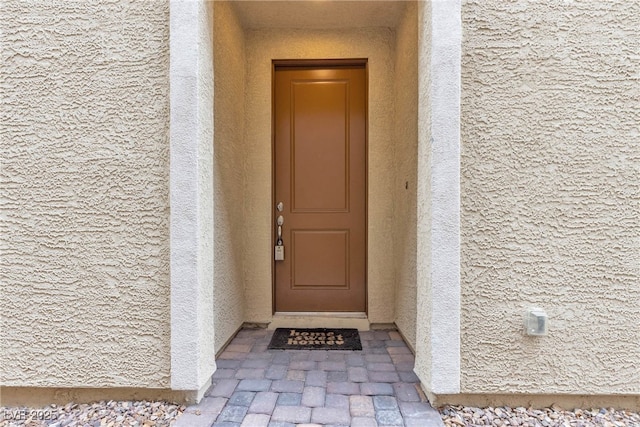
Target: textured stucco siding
405,188
207,271
229,65
191,195
377,45
551,195
422,366
84,231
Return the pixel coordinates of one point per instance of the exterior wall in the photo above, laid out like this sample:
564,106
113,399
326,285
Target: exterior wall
263,46
191,193
229,65
422,366
206,272
85,198
551,196
406,153
438,318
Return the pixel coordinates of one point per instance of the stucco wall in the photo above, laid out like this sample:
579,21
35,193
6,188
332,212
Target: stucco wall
422,347
405,187
207,271
551,195
263,46
438,219
229,65
85,172
191,195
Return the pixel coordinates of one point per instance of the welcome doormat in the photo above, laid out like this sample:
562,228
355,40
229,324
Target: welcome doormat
315,339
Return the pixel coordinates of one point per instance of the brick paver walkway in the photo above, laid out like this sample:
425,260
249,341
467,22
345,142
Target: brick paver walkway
256,387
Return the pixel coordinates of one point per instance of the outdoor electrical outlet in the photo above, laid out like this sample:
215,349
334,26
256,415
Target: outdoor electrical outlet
535,322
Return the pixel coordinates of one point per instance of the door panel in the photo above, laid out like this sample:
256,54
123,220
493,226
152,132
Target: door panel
331,269
320,146
320,177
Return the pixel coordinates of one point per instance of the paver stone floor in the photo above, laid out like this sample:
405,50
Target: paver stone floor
256,387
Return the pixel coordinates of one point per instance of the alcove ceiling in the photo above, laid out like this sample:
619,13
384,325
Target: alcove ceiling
318,14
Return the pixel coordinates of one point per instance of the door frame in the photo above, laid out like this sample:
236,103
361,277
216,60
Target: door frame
320,63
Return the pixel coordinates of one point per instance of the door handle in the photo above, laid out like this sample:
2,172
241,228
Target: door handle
279,221
279,249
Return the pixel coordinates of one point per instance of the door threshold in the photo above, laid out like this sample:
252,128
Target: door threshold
345,314
296,319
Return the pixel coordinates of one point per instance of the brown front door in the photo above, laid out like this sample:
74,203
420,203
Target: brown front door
320,179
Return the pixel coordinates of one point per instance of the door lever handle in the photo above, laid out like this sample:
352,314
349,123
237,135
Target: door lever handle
280,221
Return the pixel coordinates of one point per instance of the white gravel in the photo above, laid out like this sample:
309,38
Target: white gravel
149,414
455,416
100,414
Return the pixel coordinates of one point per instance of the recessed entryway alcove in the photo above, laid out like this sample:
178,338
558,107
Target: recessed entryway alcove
248,36
222,208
